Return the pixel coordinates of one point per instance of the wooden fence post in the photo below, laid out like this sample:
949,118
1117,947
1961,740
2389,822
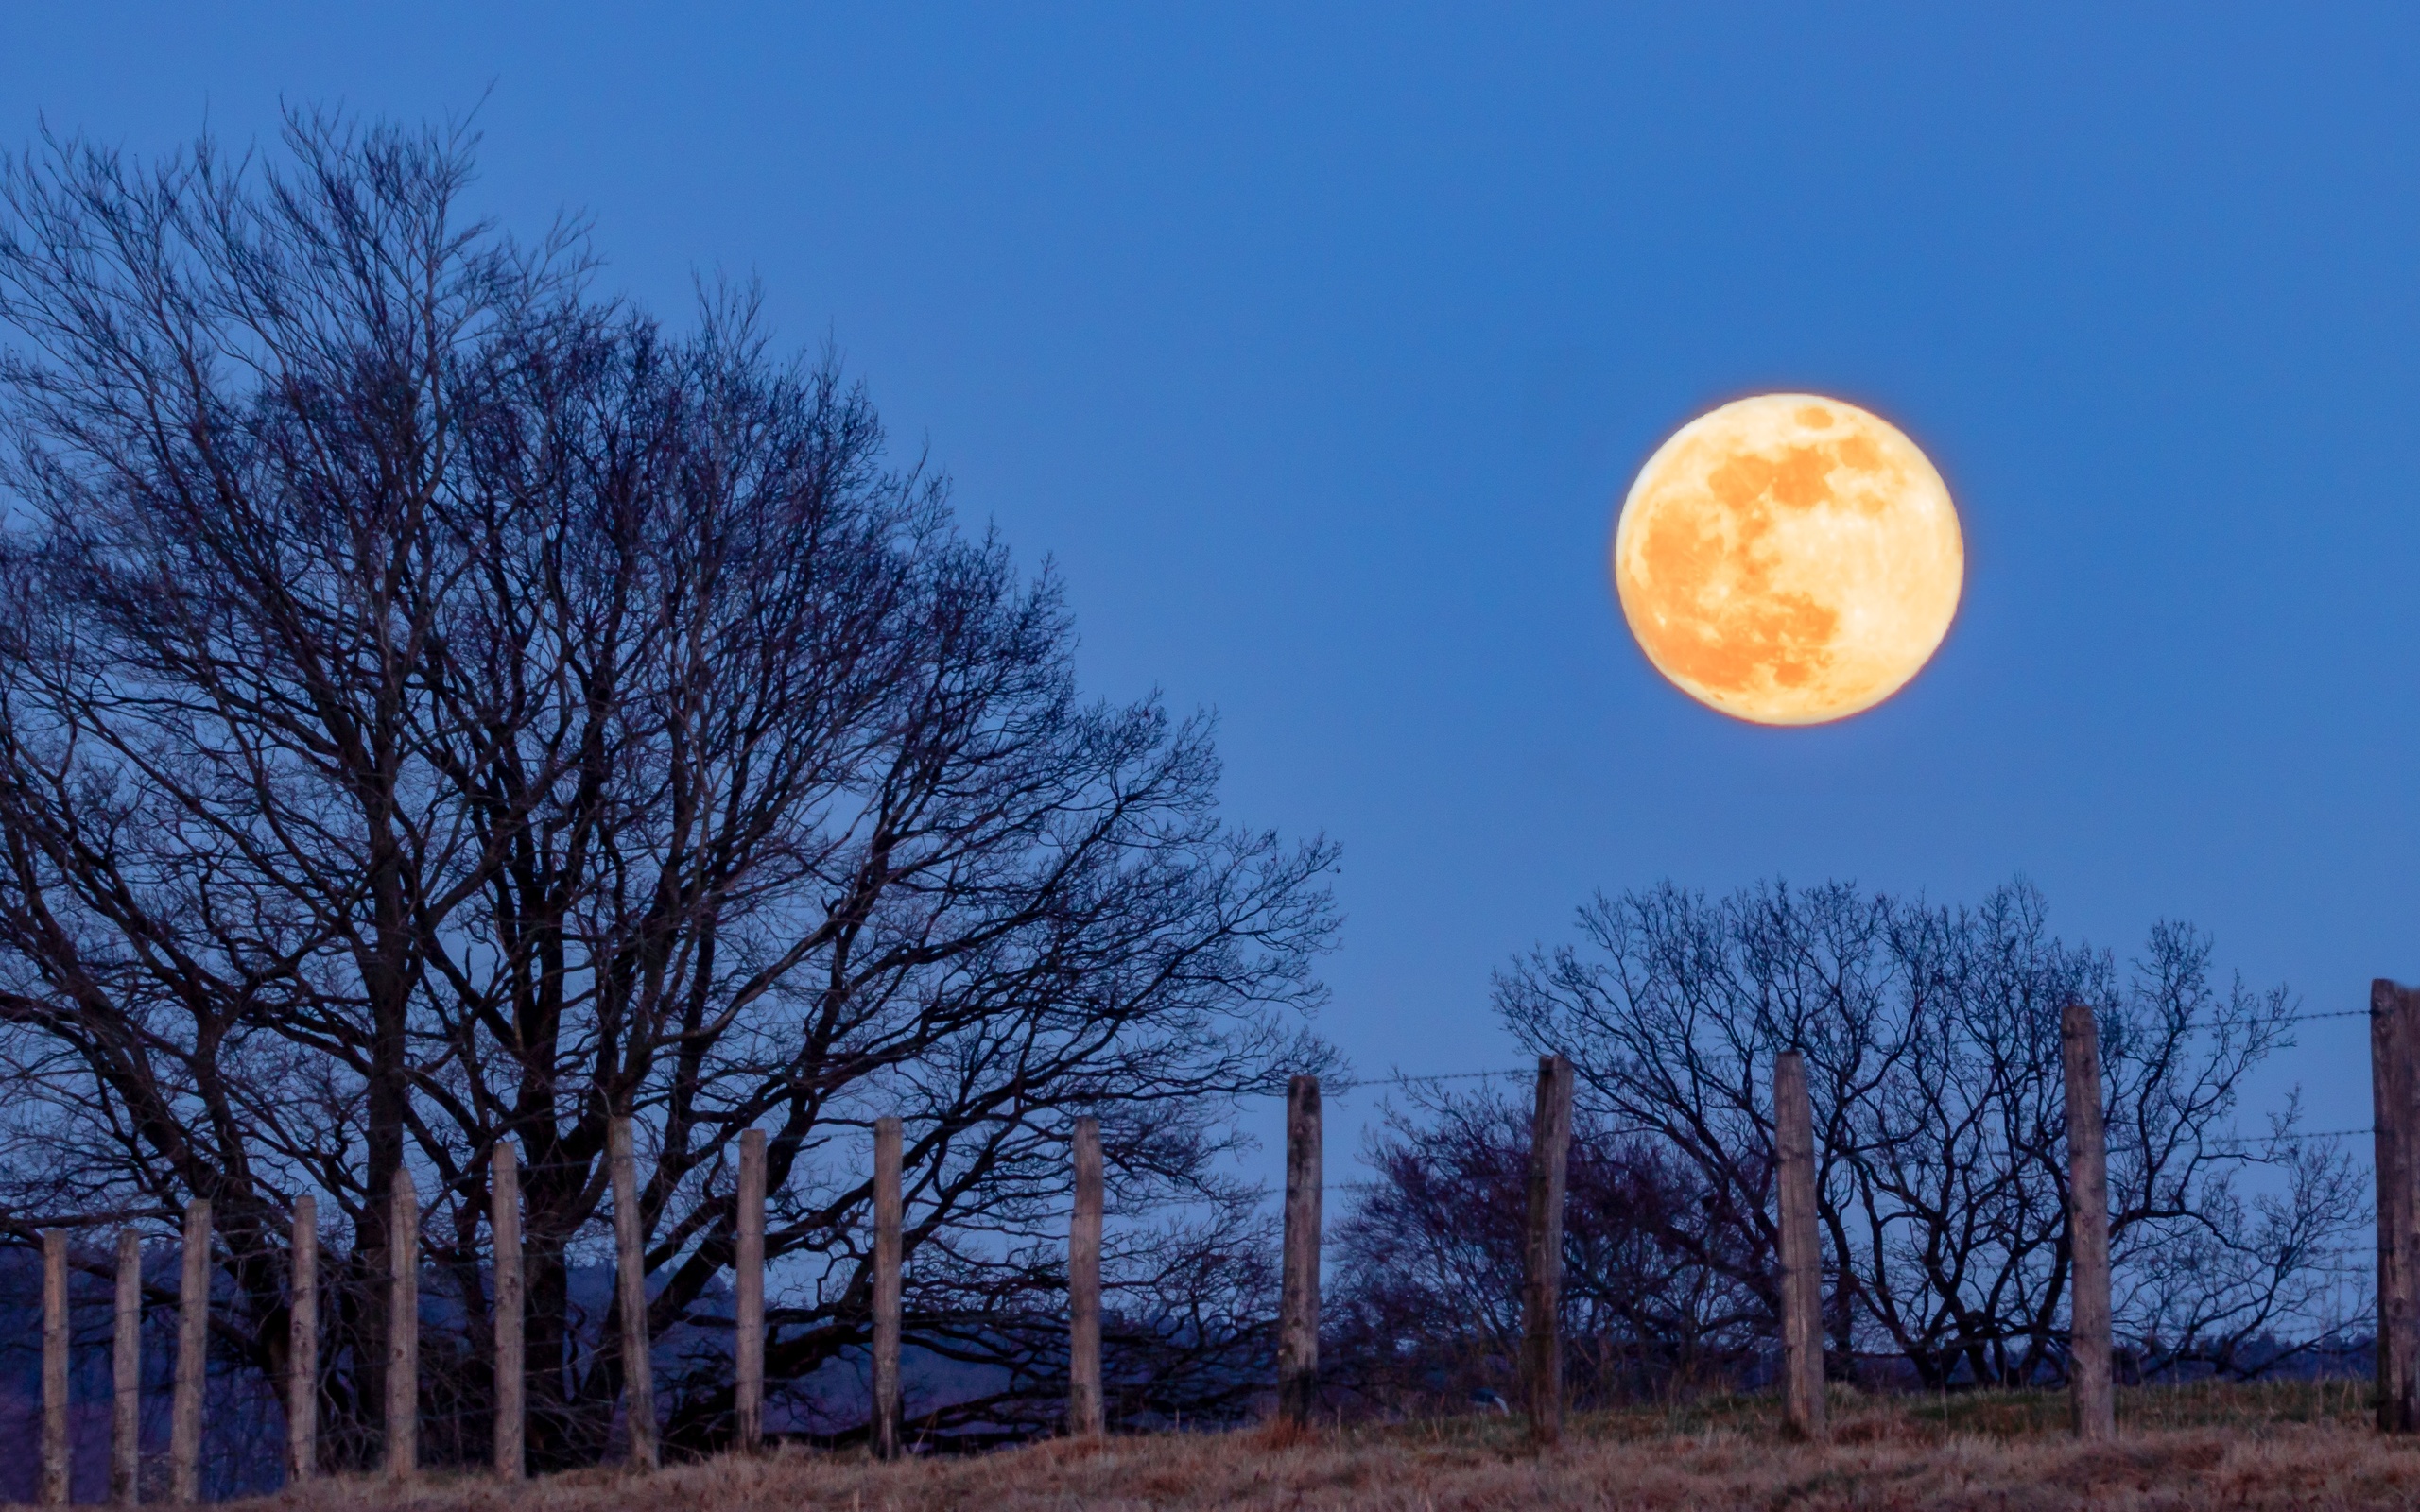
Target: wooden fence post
403,1329
1085,1419
1298,1306
748,1311
1802,1253
2092,1391
302,1346
193,1348
512,1374
2394,1090
54,1367
126,1373
1541,1274
887,1215
629,1277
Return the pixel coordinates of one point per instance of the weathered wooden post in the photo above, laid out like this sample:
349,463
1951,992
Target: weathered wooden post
302,1346
126,1373
2092,1390
192,1351
403,1329
2394,1090
887,1215
1542,1275
1084,1412
1801,1252
1298,1305
54,1367
629,1273
748,1311
511,1375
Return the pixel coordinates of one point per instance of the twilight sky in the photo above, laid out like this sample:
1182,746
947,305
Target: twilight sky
1319,349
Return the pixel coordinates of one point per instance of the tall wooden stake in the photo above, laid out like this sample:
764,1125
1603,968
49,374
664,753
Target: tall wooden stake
403,1329
1802,1253
302,1346
1298,1305
886,1403
54,1367
2092,1391
193,1348
2395,1086
747,1320
511,1374
1542,1275
1084,1412
629,1272
126,1372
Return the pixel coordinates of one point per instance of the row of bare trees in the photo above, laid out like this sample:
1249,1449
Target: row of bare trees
440,706
1930,1037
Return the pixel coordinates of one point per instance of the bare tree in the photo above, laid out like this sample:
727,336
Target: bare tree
440,707
1427,1295
1930,1035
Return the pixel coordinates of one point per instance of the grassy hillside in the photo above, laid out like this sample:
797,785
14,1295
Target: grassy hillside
2288,1445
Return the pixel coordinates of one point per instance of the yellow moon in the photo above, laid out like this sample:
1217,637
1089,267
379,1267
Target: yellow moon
1788,560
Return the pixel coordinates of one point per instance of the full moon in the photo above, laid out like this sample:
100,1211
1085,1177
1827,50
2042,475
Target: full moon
1788,560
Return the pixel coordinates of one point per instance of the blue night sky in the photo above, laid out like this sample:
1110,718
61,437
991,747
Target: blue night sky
1317,347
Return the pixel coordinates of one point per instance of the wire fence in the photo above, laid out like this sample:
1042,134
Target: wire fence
247,1408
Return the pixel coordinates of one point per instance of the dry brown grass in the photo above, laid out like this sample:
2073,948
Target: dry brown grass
2293,1446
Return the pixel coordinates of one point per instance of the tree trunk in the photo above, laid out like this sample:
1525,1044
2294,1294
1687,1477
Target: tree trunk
553,1445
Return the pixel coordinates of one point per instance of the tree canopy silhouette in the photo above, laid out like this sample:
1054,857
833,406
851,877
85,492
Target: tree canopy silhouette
440,705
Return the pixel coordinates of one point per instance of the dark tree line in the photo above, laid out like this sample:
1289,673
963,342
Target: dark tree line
1430,1256
440,705
1932,1040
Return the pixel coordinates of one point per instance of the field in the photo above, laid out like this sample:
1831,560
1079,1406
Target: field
2304,1446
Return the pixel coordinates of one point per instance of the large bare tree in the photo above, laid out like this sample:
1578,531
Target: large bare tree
1931,1038
439,707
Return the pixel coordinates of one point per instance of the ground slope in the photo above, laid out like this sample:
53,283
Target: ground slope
2298,1447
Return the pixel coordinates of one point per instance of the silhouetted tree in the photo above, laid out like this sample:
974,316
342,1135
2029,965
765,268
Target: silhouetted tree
438,706
1931,1038
1429,1258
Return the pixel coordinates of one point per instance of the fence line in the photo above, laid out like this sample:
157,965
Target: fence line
2396,1034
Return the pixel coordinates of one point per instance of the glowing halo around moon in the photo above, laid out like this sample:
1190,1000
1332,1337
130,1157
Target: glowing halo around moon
1788,560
